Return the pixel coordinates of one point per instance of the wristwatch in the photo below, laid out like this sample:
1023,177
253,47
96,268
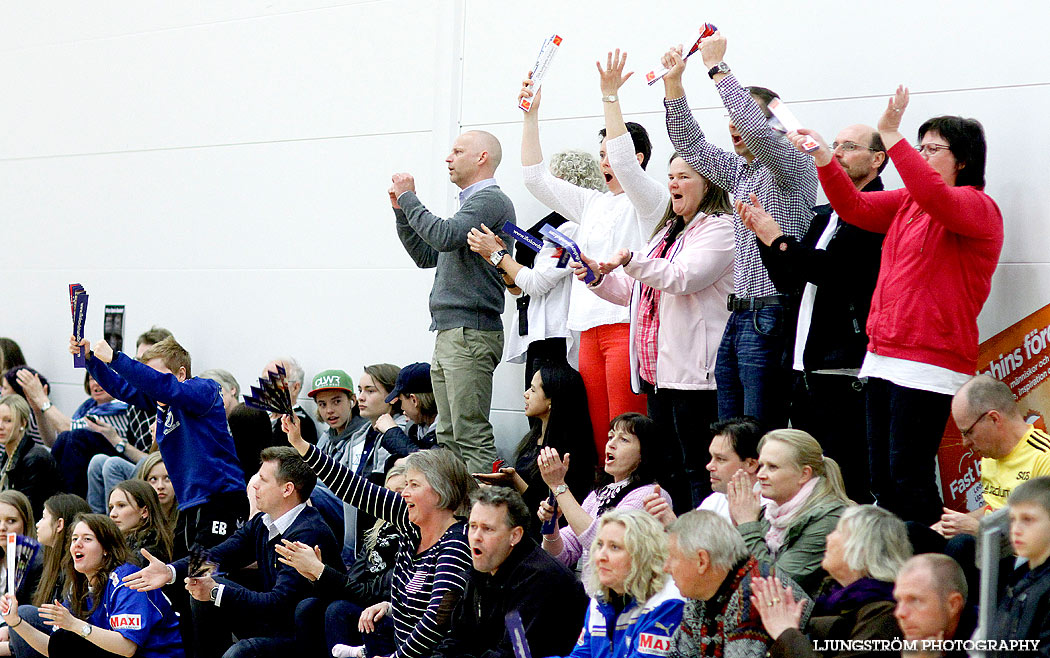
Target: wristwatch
559,490
611,98
121,447
47,405
85,630
214,594
720,67
497,256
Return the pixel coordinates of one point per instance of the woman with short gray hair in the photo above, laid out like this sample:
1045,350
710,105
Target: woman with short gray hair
864,554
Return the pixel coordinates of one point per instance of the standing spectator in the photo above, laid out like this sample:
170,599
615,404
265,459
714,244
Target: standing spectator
834,268
620,218
864,554
633,462
806,498
24,465
635,608
541,333
750,369
943,239
712,569
557,399
433,558
192,432
676,289
467,298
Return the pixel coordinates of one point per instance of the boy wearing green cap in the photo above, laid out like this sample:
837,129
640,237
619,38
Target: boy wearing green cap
333,391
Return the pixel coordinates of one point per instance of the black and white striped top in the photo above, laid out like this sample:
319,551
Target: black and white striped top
427,586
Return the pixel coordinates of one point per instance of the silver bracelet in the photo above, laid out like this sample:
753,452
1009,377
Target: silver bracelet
551,541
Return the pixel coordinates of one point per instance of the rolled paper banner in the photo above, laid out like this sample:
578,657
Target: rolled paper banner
12,555
706,30
551,524
78,303
784,121
524,237
562,240
516,631
539,69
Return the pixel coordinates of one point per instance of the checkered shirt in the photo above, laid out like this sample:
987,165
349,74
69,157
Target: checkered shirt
783,179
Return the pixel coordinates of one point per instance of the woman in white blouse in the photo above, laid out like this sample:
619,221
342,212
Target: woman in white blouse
621,218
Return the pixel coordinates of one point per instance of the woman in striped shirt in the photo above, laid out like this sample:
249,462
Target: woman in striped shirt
433,557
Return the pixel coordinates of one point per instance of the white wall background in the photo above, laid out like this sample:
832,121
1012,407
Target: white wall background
221,168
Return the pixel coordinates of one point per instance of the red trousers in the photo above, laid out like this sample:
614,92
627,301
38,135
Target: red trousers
605,365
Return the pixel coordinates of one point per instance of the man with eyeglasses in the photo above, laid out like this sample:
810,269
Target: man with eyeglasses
750,371
834,268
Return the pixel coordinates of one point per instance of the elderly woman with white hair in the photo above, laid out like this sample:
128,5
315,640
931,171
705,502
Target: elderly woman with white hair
635,607
712,568
864,554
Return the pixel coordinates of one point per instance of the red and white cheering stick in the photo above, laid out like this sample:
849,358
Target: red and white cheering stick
539,69
705,31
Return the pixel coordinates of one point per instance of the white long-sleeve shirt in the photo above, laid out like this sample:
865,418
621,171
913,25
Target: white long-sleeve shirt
608,222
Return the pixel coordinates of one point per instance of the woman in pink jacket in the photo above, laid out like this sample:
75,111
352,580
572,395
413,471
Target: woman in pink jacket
676,288
943,238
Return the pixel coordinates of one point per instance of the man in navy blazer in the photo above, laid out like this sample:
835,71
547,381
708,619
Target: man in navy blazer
262,619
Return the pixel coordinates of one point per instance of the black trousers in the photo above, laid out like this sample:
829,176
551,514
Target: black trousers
684,418
832,409
905,427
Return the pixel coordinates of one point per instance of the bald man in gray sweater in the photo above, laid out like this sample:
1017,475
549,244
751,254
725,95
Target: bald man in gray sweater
466,301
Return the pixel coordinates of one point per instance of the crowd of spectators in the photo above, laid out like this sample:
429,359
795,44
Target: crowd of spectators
735,401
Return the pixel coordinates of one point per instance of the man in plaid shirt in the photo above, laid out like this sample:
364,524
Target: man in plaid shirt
752,371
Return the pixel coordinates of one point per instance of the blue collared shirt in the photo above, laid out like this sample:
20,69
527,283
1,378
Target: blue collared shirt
468,191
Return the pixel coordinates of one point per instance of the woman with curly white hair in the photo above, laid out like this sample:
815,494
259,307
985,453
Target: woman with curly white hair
864,554
539,332
635,607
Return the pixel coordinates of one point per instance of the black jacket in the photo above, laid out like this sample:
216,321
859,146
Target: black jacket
1024,611
548,597
369,578
34,473
845,274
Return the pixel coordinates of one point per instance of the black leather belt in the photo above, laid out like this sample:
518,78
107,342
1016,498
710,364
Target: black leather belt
735,303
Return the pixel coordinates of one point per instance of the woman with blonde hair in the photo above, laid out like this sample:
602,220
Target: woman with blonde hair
632,597
806,498
863,556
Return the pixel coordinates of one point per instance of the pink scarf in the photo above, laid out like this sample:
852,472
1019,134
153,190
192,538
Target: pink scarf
781,517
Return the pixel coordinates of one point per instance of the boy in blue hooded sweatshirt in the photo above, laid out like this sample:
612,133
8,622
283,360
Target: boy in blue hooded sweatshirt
192,433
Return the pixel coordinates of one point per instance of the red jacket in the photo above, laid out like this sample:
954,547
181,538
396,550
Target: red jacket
942,245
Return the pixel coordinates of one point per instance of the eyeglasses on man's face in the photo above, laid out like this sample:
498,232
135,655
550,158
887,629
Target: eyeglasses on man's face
849,147
969,430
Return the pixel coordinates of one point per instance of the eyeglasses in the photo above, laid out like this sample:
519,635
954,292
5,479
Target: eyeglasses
969,430
849,147
930,149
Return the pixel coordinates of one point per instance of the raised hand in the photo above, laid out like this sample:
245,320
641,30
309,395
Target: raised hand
776,605
612,76
290,423
890,121
674,62
527,91
657,505
713,49
103,351
756,219
552,467
402,183
745,504
822,155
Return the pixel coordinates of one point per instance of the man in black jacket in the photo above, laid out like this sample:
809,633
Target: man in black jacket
512,572
262,619
834,268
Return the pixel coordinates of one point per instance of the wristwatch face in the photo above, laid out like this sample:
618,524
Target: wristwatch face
497,256
86,630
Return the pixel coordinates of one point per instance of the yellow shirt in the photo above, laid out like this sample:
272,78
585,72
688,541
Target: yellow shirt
1030,458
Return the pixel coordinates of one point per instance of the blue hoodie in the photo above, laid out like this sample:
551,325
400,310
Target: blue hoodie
192,431
638,631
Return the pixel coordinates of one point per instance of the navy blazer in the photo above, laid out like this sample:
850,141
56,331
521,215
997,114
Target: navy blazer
845,273
271,610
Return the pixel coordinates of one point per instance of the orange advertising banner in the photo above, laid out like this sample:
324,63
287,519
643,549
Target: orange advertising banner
1020,356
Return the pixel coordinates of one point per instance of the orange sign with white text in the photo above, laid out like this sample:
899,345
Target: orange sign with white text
1020,356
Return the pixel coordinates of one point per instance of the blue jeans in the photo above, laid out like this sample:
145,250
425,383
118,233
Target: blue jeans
750,372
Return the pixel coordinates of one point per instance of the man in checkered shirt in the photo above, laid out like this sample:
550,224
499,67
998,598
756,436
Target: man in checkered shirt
752,371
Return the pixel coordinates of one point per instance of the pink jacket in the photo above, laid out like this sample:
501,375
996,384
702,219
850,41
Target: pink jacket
694,280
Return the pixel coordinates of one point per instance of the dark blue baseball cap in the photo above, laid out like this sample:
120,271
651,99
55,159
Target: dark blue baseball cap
413,378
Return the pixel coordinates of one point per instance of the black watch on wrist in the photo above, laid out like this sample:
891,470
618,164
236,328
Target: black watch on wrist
720,67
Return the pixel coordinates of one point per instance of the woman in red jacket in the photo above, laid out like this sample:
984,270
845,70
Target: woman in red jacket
943,238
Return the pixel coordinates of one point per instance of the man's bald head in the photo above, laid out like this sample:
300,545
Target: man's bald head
487,143
867,158
474,157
